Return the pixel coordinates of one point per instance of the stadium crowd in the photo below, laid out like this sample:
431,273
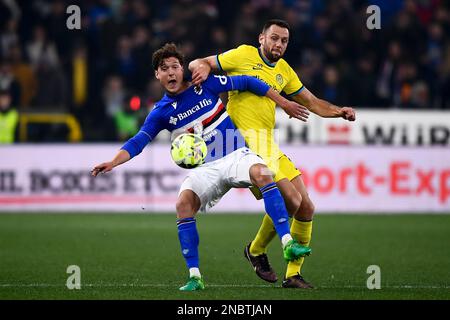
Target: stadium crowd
102,72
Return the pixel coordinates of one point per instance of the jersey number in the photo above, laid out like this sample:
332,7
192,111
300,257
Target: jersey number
222,79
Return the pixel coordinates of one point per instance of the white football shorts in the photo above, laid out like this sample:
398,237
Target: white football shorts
211,181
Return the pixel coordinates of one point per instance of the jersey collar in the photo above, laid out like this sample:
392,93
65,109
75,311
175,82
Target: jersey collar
267,62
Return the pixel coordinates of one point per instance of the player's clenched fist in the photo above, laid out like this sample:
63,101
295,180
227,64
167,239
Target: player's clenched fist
348,113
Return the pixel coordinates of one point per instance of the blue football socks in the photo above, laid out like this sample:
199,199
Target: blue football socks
275,208
189,240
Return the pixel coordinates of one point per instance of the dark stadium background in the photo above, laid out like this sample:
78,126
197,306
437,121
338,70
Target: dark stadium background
88,90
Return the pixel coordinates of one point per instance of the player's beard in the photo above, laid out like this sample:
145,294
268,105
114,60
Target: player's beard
272,58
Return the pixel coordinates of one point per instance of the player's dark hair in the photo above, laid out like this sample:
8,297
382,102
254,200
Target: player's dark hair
278,22
169,50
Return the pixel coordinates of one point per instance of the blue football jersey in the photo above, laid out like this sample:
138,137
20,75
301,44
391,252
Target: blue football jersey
199,110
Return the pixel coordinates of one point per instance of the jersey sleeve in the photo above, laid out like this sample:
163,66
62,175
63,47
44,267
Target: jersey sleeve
149,130
231,59
294,85
218,84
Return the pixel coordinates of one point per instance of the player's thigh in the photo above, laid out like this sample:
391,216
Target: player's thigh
245,167
260,175
206,183
188,204
306,210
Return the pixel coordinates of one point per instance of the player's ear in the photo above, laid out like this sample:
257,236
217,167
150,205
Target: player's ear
156,74
261,38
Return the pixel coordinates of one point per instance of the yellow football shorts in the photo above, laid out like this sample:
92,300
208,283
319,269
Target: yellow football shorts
284,168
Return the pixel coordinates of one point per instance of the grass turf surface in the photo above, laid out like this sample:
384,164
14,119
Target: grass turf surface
137,256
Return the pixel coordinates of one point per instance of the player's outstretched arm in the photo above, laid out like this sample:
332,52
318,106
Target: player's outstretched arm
323,108
201,68
121,157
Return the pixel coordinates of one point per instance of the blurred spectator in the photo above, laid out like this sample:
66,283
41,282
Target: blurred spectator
142,53
9,82
331,87
189,49
52,92
444,89
60,35
124,63
9,37
404,81
80,74
25,76
9,118
385,82
363,81
420,96
40,49
310,70
219,41
246,27
114,95
141,14
127,119
434,60
153,93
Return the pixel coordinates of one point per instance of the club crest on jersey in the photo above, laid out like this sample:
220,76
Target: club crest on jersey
279,78
173,120
198,89
174,104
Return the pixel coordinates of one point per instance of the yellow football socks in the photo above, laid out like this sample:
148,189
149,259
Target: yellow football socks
300,231
265,234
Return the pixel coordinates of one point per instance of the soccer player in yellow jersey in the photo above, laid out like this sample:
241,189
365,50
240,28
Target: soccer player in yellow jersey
255,117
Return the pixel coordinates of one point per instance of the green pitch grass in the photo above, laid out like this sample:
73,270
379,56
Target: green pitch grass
138,257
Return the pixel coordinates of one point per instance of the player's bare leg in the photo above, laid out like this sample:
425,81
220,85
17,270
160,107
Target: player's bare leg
301,230
291,195
188,204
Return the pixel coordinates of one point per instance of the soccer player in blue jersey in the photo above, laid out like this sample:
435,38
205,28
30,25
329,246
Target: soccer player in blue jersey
229,164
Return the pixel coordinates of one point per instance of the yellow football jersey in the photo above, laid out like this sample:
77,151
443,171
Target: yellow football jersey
254,115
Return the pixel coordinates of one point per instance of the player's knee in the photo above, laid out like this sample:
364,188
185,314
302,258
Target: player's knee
260,175
185,208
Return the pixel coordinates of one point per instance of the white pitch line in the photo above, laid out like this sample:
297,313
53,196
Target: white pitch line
160,285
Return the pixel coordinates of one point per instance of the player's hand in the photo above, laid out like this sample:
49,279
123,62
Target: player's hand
102,168
295,110
200,72
348,113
